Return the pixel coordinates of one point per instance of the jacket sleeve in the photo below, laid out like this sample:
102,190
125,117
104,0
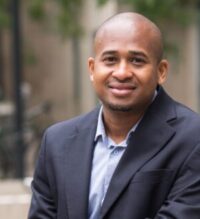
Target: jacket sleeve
183,201
42,203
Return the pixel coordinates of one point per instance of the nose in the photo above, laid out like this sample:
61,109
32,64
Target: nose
122,71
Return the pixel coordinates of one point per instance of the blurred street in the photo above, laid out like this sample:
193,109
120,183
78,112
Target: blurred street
14,199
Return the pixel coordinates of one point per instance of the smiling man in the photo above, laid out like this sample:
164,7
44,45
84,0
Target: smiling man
127,68
136,156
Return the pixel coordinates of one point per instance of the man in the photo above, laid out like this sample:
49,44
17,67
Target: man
135,157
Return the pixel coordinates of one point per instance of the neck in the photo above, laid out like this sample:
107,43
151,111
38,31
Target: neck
118,124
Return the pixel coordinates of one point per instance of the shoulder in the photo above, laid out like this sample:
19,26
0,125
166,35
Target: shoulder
62,134
185,122
70,126
187,117
168,108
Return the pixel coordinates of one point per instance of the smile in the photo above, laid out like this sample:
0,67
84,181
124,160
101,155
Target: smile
121,89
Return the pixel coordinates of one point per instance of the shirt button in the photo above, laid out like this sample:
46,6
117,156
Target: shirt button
111,147
115,152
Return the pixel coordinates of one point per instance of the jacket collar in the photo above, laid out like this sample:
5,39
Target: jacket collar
77,165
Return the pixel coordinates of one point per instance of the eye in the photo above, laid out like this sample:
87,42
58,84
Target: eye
109,60
137,60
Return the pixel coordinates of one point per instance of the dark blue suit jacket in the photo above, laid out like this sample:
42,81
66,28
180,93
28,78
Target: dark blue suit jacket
157,177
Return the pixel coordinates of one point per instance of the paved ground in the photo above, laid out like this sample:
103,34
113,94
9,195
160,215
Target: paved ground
14,199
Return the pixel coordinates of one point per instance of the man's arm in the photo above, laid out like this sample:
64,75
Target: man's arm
42,203
183,202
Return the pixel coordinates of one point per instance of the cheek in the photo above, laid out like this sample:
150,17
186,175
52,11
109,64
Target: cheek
97,81
100,75
148,78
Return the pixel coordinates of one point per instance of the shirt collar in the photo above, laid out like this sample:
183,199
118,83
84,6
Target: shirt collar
100,132
100,126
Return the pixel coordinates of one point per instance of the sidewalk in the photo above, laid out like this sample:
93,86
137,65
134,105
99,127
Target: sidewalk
14,199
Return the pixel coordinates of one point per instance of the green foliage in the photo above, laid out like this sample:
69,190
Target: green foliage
68,18
65,18
4,14
162,11
36,9
178,11
102,2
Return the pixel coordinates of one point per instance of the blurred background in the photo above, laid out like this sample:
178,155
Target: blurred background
44,47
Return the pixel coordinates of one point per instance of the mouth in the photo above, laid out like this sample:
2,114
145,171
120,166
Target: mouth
121,90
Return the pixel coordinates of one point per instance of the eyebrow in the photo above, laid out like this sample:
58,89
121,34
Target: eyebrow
136,53
139,53
109,52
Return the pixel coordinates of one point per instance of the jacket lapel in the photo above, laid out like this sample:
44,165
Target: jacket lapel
149,138
78,167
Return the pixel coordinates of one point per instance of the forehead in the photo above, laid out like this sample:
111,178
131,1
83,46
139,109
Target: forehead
126,36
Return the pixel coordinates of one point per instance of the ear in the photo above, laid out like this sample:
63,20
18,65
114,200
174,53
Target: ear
162,71
91,67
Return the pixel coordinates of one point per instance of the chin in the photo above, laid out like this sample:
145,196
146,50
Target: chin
120,108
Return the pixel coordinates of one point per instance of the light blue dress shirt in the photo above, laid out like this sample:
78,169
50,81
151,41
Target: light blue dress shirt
106,157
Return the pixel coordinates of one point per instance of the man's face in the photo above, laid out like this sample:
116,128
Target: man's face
125,71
